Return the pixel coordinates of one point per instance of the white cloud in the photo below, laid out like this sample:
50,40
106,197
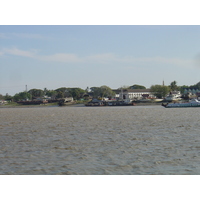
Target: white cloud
3,36
28,36
18,52
187,63
99,58
61,57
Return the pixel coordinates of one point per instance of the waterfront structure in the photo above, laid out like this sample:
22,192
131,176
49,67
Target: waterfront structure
192,93
173,96
66,101
2,102
134,94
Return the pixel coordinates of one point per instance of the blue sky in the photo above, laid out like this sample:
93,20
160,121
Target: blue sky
87,56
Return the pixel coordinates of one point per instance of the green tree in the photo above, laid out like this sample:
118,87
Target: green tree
124,87
160,91
87,89
76,93
60,94
173,86
1,97
96,91
64,91
22,96
106,91
36,93
198,86
195,86
103,91
182,88
51,93
8,97
137,87
45,91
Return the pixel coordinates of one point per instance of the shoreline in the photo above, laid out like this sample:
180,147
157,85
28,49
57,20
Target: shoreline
74,105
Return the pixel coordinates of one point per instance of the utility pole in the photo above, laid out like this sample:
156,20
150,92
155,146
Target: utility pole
26,93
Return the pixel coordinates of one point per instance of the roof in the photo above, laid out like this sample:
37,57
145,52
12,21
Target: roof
137,90
133,90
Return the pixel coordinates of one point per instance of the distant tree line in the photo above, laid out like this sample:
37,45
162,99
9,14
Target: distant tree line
63,92
159,91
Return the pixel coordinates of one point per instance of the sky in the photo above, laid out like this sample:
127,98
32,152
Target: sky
152,47
53,56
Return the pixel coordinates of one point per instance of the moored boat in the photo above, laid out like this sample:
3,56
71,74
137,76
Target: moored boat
191,103
34,102
95,102
66,101
119,103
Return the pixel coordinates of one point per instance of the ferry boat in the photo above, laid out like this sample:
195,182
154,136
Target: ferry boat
191,103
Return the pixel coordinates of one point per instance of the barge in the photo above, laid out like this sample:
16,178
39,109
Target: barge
36,102
191,103
96,102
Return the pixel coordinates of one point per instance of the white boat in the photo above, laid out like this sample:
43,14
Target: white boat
191,103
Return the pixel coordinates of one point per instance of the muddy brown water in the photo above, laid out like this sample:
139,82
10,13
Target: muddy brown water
99,140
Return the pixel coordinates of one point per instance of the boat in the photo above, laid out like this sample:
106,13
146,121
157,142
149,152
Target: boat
191,103
95,102
119,103
66,101
34,102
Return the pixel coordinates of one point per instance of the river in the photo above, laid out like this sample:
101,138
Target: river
128,140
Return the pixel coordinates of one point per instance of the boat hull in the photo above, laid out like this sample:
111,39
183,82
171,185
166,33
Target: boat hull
32,102
65,104
111,103
181,105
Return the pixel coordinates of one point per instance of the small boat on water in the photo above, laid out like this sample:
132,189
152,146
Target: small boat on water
191,103
66,101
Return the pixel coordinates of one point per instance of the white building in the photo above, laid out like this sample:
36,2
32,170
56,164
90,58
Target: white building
132,94
2,102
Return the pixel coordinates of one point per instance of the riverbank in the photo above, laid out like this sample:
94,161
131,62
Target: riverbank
148,103
16,105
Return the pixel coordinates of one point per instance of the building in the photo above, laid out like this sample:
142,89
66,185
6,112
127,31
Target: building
2,102
134,94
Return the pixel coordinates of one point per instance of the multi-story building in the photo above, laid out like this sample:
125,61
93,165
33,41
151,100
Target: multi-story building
133,94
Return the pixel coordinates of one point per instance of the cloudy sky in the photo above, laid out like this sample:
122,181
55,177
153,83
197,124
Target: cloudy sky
95,55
